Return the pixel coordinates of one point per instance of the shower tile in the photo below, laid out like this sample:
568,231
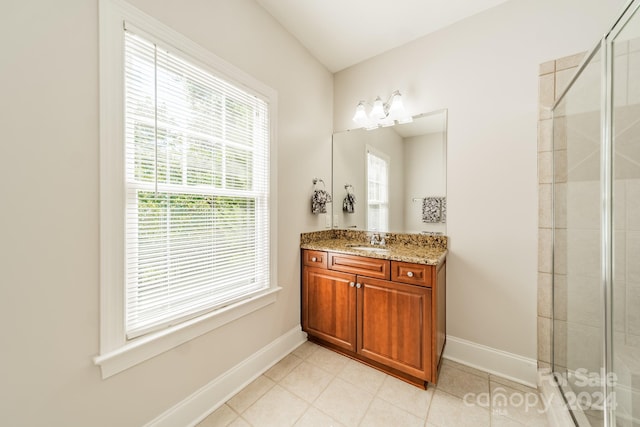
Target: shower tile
560,167
544,294
632,256
584,300
560,296
545,135
583,252
544,206
620,256
634,86
620,82
560,251
544,339
562,80
569,61
544,250
559,133
583,204
619,306
633,204
547,67
545,167
621,48
560,342
620,204
561,205
546,95
633,314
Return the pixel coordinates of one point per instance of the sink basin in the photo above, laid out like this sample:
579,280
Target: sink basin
370,249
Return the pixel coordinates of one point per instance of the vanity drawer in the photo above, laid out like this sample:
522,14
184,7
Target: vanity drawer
314,258
412,274
370,267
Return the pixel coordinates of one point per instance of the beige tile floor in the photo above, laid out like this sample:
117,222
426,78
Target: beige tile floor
316,387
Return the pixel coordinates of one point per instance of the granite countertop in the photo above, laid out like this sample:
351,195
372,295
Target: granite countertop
396,249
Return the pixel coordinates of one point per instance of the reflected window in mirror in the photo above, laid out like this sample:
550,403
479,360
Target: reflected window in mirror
377,190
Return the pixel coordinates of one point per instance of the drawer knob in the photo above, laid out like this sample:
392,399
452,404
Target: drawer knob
351,284
410,274
314,259
358,285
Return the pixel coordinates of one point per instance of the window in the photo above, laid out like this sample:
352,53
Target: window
186,180
377,190
196,189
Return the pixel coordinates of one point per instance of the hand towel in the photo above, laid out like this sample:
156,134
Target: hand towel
348,204
434,209
319,201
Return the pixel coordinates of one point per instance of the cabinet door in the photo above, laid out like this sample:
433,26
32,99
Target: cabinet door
329,306
394,325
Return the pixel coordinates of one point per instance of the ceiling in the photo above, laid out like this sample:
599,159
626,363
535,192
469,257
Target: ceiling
341,33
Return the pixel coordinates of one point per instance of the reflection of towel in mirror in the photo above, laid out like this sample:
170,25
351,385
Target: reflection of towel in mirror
349,202
434,209
319,201
443,209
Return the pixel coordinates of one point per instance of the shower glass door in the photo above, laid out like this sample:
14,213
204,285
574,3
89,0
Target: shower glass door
625,133
578,317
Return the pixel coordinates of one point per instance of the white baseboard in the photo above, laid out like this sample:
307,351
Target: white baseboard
508,365
204,401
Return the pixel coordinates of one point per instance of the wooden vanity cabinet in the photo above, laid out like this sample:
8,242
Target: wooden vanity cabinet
387,314
329,306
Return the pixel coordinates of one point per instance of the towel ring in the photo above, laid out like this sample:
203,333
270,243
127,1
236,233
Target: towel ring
316,181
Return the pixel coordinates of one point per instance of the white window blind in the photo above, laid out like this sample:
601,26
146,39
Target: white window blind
377,191
197,189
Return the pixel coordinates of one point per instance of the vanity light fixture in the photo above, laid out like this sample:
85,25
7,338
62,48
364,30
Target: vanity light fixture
382,113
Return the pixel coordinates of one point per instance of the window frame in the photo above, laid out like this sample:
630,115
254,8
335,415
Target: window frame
118,353
381,205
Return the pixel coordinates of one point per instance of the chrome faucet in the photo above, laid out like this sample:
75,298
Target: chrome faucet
376,239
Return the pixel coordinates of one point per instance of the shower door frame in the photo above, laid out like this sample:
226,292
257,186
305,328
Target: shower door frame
604,47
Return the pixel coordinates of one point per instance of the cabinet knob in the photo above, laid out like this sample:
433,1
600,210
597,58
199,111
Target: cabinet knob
314,259
351,284
410,274
358,285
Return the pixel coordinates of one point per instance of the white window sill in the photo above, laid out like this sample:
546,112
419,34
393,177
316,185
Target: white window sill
148,346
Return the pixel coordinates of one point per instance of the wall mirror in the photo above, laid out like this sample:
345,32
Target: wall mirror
392,179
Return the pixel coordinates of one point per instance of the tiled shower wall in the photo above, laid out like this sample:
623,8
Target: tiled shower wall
553,78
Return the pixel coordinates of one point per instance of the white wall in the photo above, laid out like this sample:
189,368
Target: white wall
485,71
49,244
424,176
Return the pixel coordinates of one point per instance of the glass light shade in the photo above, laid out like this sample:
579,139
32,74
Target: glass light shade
377,112
396,109
360,117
